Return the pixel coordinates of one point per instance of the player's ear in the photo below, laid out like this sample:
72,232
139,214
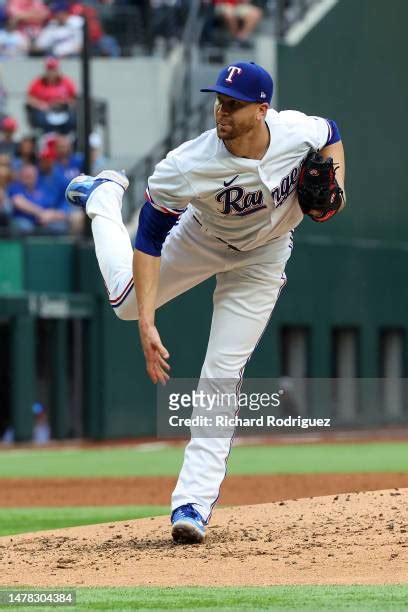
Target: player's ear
263,109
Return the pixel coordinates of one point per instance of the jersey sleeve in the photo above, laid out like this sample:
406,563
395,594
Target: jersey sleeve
322,132
317,132
168,190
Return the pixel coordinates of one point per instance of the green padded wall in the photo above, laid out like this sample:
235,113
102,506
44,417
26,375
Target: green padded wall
352,67
11,266
349,286
49,264
337,286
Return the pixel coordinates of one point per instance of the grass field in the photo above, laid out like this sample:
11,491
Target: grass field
127,461
142,461
25,520
310,598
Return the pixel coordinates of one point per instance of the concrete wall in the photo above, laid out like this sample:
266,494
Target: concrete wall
137,90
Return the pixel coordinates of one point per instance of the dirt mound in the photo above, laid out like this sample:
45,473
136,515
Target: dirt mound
356,538
156,490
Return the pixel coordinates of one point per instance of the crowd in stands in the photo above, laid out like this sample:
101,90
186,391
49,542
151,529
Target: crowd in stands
118,27
36,27
34,174
36,168
41,27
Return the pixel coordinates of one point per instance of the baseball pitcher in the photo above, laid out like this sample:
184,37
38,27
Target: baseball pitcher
223,204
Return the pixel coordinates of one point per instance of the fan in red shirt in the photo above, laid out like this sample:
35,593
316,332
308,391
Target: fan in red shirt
51,100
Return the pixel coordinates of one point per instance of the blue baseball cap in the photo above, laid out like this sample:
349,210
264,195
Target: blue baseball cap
245,81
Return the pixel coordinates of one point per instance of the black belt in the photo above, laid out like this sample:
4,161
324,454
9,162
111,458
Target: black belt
220,239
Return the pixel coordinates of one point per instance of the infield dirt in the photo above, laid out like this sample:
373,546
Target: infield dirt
156,490
354,538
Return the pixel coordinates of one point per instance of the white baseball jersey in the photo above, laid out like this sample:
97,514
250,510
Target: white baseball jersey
244,202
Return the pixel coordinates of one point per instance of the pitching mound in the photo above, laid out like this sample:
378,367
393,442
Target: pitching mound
356,538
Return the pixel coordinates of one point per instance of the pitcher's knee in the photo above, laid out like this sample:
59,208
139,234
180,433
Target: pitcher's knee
127,310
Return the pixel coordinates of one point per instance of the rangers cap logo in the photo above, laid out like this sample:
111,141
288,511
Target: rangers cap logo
232,71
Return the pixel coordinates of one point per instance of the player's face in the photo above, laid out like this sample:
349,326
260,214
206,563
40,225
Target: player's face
233,117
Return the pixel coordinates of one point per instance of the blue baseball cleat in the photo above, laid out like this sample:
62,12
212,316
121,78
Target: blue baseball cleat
188,525
81,187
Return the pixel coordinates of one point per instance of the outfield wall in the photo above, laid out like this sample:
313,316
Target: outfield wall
341,315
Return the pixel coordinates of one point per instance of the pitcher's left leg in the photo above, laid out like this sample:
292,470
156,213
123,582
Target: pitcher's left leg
243,302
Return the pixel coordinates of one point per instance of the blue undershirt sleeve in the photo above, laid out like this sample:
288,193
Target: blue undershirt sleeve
154,226
334,133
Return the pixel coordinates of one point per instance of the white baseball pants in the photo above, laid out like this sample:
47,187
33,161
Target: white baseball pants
247,287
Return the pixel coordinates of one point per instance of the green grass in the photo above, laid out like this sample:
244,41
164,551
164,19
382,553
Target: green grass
312,598
127,461
25,520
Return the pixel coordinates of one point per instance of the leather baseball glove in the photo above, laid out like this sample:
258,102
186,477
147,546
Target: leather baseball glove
319,194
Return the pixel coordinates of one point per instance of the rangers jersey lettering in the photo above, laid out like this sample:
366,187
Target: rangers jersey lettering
245,202
237,201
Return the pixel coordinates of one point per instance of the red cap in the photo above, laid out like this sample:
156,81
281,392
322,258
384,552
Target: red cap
9,124
51,63
47,153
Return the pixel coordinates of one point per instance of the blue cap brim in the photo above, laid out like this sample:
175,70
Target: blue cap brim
228,91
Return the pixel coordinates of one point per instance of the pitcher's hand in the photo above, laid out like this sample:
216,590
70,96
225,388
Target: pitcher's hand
156,355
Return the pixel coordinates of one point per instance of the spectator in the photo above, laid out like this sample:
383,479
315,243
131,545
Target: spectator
5,204
41,427
5,210
33,206
28,15
5,170
101,43
8,126
13,43
240,18
50,179
70,164
63,35
58,165
25,153
51,100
